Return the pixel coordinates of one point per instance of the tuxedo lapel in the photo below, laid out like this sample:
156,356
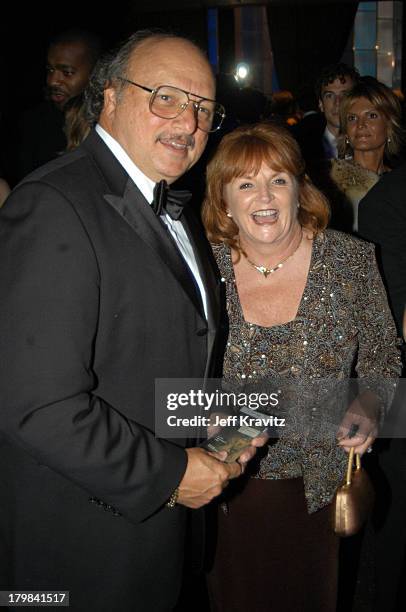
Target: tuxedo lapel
207,267
123,195
136,211
205,263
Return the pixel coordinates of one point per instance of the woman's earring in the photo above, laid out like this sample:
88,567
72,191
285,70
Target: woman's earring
298,205
347,141
389,139
229,215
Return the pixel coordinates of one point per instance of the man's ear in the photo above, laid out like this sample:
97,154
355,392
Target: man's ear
110,102
109,108
321,107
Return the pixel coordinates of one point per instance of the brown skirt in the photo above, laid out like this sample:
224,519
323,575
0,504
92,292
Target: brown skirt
271,555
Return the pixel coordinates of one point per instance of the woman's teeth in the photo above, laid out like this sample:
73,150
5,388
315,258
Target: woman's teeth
265,213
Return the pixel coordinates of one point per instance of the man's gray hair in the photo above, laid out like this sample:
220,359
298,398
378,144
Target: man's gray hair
115,64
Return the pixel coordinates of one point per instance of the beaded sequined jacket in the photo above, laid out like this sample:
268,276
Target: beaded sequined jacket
343,328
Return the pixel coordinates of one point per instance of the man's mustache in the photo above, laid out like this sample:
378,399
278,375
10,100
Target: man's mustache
50,91
187,140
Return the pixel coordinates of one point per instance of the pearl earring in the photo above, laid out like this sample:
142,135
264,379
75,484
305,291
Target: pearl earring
347,141
389,139
229,215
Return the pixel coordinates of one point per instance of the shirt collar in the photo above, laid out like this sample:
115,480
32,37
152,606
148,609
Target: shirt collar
330,137
143,182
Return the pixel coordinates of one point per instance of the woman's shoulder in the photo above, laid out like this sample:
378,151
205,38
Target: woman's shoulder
220,250
342,169
222,256
344,260
341,246
342,164
347,174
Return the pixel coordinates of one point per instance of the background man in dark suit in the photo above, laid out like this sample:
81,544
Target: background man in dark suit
382,220
382,214
101,296
70,59
317,135
317,132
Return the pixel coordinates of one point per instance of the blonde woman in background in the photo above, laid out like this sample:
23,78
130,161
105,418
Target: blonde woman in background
370,139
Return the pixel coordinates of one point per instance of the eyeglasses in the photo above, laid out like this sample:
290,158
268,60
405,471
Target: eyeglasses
169,102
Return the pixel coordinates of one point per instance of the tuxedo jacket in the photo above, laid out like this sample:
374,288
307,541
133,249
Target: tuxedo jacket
382,220
96,303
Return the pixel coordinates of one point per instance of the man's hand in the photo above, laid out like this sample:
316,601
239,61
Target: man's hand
205,478
249,452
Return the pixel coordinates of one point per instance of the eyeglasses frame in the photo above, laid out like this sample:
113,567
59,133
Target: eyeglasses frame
196,105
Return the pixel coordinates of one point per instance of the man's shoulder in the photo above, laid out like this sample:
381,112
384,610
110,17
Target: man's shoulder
395,178
82,167
71,180
60,171
389,189
68,190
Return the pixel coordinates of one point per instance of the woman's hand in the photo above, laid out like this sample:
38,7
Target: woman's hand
250,452
359,426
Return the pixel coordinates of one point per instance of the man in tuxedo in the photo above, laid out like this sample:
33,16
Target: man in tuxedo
104,290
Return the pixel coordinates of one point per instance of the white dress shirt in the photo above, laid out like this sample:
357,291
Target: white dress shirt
330,144
146,186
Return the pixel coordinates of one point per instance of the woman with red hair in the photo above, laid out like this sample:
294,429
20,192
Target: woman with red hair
307,308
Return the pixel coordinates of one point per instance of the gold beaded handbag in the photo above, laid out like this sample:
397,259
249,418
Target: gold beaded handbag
353,500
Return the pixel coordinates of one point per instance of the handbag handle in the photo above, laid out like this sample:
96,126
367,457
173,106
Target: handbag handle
351,465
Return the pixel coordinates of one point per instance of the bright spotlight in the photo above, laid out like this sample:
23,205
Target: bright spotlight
241,72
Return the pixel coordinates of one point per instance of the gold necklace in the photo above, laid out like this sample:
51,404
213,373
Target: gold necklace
267,271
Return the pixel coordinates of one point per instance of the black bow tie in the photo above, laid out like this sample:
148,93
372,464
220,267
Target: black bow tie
169,201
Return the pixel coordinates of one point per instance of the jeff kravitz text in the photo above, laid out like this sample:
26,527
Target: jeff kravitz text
240,420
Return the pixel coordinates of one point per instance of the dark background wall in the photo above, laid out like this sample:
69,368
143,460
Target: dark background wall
25,31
